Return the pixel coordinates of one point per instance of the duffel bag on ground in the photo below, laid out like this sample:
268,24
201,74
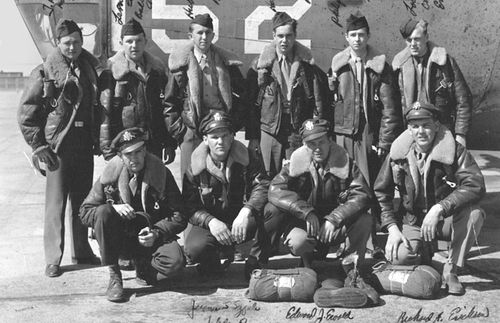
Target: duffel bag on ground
413,281
273,285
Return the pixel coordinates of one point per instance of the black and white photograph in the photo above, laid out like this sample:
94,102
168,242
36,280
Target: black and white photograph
247,161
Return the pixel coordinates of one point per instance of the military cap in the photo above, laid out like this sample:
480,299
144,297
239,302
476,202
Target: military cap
67,27
131,28
281,18
408,27
421,110
204,20
128,140
215,120
314,128
355,22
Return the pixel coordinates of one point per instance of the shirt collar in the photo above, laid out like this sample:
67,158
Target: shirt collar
198,54
354,56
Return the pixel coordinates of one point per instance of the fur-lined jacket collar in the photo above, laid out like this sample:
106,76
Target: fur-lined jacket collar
268,57
237,154
443,150
183,61
374,60
120,66
180,58
338,162
437,55
56,66
116,172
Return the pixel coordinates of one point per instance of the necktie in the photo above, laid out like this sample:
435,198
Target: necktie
133,184
203,62
359,71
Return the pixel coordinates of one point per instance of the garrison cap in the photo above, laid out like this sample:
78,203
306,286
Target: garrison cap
66,27
314,128
281,18
215,120
132,28
421,110
204,20
408,27
129,140
357,21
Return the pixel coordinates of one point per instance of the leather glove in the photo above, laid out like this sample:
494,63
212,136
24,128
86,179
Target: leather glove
45,155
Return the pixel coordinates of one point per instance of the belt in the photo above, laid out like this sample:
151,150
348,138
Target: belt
287,109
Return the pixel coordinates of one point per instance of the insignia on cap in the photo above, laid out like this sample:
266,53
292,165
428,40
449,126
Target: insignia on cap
309,125
217,117
417,106
127,136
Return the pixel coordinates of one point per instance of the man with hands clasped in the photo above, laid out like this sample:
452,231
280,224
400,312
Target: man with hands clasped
320,197
224,197
440,185
136,204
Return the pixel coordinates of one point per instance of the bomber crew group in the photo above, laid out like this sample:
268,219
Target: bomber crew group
326,152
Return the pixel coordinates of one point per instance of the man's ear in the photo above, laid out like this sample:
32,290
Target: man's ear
190,35
121,41
205,139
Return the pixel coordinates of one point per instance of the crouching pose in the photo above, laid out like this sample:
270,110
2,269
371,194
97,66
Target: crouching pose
136,203
440,185
224,196
321,197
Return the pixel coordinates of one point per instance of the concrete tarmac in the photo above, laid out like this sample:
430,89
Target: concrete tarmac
79,294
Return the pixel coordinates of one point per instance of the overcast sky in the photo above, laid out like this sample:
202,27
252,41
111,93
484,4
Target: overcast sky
17,50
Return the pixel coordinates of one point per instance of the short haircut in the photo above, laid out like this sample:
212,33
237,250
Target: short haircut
292,23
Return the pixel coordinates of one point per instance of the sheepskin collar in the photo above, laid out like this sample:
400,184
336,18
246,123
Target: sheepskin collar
443,150
374,60
338,161
237,154
120,66
269,55
57,66
115,172
180,57
437,55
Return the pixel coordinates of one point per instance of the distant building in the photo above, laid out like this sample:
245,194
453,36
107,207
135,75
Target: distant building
12,80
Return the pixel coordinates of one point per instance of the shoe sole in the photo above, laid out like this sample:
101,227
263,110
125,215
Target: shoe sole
342,297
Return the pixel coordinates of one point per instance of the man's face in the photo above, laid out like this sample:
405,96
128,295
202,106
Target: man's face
202,37
417,42
284,36
219,142
134,160
423,132
133,46
320,148
71,45
357,39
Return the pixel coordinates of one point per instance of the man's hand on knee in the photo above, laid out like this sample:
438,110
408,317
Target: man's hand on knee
147,237
430,222
394,239
240,225
326,232
312,224
125,211
220,231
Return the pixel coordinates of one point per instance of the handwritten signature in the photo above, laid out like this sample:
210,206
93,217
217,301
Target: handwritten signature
238,309
459,313
411,5
318,314
334,7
